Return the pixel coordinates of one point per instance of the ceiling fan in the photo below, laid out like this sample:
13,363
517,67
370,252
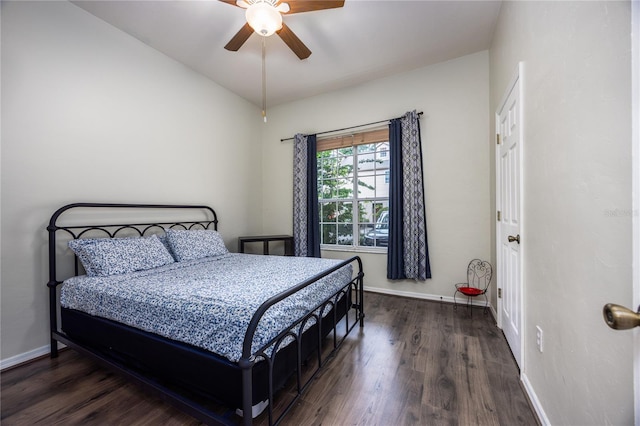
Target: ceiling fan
265,18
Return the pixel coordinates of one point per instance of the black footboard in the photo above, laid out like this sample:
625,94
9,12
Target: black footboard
351,294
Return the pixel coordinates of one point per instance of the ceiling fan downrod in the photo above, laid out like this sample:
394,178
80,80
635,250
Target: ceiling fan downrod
264,80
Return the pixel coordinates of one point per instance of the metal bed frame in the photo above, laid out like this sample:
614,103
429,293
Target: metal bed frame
352,294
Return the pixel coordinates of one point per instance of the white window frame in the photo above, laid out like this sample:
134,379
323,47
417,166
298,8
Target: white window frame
355,201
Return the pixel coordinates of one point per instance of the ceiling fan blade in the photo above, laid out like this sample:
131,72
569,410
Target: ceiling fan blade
293,42
238,40
231,2
299,6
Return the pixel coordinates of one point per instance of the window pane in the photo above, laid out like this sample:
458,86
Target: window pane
327,167
346,162
327,189
366,148
345,211
345,235
321,169
328,232
381,212
344,188
378,236
382,150
365,212
366,162
365,238
382,185
327,212
366,186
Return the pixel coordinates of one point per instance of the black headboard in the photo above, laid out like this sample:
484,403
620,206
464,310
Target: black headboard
207,219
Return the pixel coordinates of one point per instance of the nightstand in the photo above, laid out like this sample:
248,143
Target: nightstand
266,239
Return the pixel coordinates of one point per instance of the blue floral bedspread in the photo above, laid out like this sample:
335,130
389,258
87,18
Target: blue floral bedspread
208,302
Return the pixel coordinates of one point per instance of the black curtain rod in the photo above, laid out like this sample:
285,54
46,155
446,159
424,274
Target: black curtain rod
352,127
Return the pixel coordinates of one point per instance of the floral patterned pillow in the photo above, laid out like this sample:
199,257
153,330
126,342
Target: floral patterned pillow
195,244
113,256
165,242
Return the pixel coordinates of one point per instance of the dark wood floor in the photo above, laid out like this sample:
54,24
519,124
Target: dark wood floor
414,363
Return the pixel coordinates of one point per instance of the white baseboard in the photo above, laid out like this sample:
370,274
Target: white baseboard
28,356
425,296
24,357
537,406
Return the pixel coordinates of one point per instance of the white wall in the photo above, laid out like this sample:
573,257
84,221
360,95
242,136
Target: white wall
454,97
92,114
577,200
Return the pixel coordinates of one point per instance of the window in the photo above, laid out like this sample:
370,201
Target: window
353,190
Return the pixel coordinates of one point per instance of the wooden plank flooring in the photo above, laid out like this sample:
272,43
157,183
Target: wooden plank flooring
415,363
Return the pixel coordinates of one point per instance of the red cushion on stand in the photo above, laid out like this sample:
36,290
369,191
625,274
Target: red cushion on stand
470,291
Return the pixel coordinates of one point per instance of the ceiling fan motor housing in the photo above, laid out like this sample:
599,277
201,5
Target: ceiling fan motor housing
263,18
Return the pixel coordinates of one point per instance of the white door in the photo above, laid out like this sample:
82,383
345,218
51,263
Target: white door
508,235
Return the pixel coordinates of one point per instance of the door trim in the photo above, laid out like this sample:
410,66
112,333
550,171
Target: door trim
518,77
635,188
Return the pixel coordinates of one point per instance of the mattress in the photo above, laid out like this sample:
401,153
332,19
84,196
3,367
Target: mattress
208,303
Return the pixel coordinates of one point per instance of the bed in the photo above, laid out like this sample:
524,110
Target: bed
164,303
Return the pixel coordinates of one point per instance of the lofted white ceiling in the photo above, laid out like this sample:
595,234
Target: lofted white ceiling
364,40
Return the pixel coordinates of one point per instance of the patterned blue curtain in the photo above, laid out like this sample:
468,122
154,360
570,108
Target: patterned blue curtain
306,229
408,253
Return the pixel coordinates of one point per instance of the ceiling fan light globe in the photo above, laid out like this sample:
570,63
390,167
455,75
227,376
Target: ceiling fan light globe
264,18
283,8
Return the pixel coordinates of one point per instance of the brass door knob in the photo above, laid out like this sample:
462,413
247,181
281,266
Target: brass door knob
620,318
511,238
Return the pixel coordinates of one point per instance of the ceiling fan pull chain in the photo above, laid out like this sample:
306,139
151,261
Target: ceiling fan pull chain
264,80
